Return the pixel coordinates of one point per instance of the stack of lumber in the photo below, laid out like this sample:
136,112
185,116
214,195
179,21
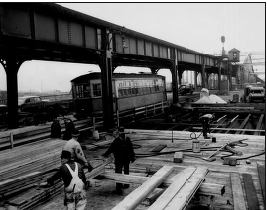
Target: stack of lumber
180,192
11,186
30,134
40,157
28,166
176,196
35,195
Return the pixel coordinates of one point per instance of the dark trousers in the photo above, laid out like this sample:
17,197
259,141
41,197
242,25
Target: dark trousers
206,127
118,170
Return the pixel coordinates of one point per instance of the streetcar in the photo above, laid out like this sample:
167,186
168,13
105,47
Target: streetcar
129,91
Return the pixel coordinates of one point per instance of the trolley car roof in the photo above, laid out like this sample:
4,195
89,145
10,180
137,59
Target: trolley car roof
97,75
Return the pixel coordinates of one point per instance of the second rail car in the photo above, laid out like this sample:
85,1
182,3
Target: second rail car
129,91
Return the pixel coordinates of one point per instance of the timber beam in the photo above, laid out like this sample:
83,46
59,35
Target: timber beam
205,188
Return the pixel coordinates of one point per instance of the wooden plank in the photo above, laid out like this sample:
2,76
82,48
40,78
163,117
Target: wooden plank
238,196
222,120
243,124
98,170
205,188
153,196
231,129
14,185
183,197
172,190
251,194
262,178
259,125
158,148
138,195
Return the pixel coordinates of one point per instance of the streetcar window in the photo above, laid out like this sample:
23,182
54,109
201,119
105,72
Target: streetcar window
140,90
120,91
124,92
133,90
144,90
148,89
82,91
136,91
129,91
96,90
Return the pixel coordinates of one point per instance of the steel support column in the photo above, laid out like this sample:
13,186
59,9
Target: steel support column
230,76
207,78
180,75
106,80
107,92
174,70
203,74
11,67
195,79
219,77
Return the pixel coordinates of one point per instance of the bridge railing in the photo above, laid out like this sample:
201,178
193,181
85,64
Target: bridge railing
142,112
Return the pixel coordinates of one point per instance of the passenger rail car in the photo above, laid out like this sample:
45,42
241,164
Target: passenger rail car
129,91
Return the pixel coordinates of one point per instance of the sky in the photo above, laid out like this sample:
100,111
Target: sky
196,26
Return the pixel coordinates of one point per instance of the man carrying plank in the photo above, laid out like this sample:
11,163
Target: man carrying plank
74,182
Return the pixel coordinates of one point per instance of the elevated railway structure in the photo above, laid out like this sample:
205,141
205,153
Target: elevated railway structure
47,31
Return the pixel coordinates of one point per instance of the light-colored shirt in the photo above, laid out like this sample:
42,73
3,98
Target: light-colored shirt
76,151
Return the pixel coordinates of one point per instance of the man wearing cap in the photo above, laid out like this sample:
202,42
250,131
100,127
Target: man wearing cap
75,149
123,152
74,182
205,120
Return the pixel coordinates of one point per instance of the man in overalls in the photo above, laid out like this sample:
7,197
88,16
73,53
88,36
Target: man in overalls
74,182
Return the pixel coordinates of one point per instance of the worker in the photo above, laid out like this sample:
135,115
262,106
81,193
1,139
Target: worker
74,147
174,110
74,181
205,120
69,128
55,129
123,152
